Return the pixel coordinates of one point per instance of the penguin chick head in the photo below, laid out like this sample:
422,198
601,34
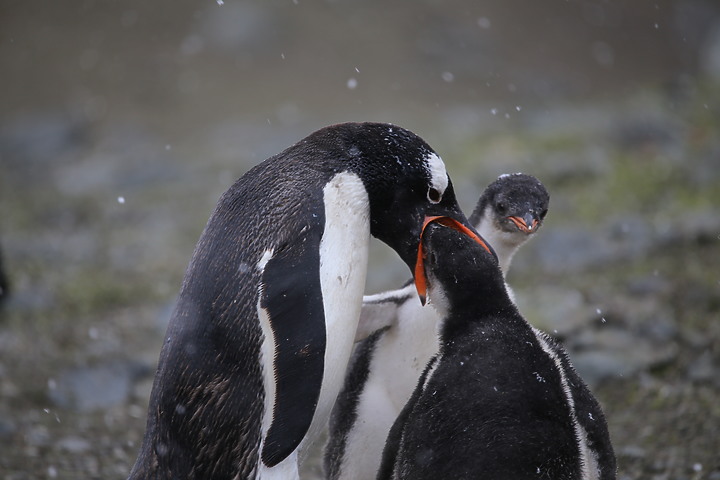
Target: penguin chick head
515,204
459,267
434,222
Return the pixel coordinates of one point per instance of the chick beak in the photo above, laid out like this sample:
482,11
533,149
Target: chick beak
527,223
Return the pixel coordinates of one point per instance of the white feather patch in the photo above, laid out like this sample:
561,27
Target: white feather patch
343,268
267,360
438,173
285,470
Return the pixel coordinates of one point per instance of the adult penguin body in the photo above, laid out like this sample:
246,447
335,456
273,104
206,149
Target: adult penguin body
500,400
402,336
258,343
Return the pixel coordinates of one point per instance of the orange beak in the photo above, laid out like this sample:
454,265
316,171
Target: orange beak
420,277
522,225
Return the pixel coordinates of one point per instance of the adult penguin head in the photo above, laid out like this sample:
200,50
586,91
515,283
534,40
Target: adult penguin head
406,181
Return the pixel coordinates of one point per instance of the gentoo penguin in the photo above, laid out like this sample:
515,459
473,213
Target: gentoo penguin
403,336
500,400
257,345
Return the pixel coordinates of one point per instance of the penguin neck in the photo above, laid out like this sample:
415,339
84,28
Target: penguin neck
504,243
482,304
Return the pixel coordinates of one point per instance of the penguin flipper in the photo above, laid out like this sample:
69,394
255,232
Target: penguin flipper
291,297
589,415
375,316
381,310
592,419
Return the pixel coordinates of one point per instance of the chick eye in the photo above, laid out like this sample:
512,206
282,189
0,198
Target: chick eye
501,208
433,195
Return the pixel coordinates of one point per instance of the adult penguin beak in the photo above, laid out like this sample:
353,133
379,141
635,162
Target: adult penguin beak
419,272
527,223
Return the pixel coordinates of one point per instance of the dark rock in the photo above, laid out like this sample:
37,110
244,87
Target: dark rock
662,328
567,249
632,451
73,445
91,388
615,352
557,311
700,226
595,366
650,285
7,428
702,368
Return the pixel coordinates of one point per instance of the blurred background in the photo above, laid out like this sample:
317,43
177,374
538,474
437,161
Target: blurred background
121,123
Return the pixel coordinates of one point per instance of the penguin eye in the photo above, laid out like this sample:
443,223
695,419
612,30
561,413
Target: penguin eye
501,208
433,195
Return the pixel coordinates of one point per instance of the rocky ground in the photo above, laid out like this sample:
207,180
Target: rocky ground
103,197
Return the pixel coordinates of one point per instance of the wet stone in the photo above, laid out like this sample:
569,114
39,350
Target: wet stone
571,249
616,353
702,368
91,388
7,428
73,445
557,311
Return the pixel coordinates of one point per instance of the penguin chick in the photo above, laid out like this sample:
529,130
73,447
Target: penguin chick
385,367
509,212
256,349
499,400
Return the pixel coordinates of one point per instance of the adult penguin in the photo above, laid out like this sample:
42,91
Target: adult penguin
385,367
257,346
500,400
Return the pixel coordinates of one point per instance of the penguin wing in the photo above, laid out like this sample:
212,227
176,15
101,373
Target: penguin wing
375,316
381,310
592,419
291,298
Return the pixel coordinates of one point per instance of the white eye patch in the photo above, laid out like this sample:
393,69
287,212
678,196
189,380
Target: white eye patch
438,174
